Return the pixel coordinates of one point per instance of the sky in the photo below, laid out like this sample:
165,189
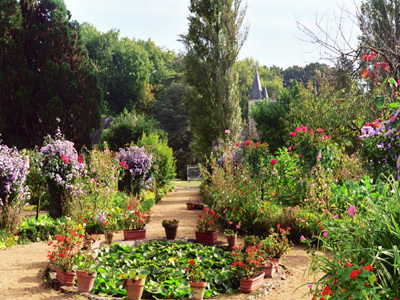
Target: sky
274,39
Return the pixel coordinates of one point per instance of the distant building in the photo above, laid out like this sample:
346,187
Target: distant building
256,96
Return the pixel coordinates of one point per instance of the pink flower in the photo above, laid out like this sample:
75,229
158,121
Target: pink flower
257,144
237,144
302,238
352,211
246,143
293,134
123,163
325,136
227,131
289,148
325,235
297,129
237,227
273,161
300,155
311,131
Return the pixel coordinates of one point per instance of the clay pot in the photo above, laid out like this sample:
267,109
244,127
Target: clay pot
85,281
250,285
197,289
268,269
134,288
231,240
65,278
134,235
207,237
171,231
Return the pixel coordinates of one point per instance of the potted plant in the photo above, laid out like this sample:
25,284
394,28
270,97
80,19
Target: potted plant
110,227
134,284
66,251
231,235
196,280
86,271
247,262
276,245
206,226
171,228
251,240
134,222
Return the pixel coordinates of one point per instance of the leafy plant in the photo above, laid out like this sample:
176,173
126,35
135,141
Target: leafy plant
206,222
165,223
193,271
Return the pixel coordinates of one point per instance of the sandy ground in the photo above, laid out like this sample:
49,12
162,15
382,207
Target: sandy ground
21,267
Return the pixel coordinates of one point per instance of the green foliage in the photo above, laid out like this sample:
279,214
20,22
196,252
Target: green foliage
44,85
213,43
128,128
162,162
165,265
43,229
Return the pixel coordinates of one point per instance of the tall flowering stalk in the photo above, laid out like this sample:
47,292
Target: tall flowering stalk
13,191
136,164
61,167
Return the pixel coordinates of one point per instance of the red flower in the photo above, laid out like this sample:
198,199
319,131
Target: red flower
354,274
326,290
368,268
80,160
293,134
257,144
62,255
191,262
348,265
273,161
247,143
241,264
300,155
129,207
65,159
123,163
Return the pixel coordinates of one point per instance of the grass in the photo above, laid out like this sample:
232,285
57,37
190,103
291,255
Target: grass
187,184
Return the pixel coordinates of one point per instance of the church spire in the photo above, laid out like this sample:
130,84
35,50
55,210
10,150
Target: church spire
255,90
265,92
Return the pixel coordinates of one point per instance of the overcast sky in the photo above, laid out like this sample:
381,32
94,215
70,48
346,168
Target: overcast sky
274,38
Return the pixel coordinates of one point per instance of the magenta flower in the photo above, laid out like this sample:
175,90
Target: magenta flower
325,235
302,238
352,211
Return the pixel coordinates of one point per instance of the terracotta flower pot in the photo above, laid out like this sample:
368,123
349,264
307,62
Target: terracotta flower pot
171,231
65,278
268,270
133,235
85,281
197,289
109,236
134,288
207,237
231,240
250,285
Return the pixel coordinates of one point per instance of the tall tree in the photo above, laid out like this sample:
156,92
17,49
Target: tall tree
44,79
213,42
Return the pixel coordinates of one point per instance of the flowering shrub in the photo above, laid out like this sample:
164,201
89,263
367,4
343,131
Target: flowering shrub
247,261
206,221
61,167
276,244
349,282
13,191
134,219
193,271
136,166
66,249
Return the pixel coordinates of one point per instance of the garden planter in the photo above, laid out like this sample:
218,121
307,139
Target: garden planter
133,235
190,206
197,289
231,240
250,285
171,231
85,281
207,237
65,278
109,236
199,206
134,288
268,270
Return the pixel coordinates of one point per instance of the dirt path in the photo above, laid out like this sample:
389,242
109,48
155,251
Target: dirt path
21,267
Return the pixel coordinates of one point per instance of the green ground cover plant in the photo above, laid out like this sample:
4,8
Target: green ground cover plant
165,265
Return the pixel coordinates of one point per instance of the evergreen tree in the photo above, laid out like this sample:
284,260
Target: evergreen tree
213,43
44,80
